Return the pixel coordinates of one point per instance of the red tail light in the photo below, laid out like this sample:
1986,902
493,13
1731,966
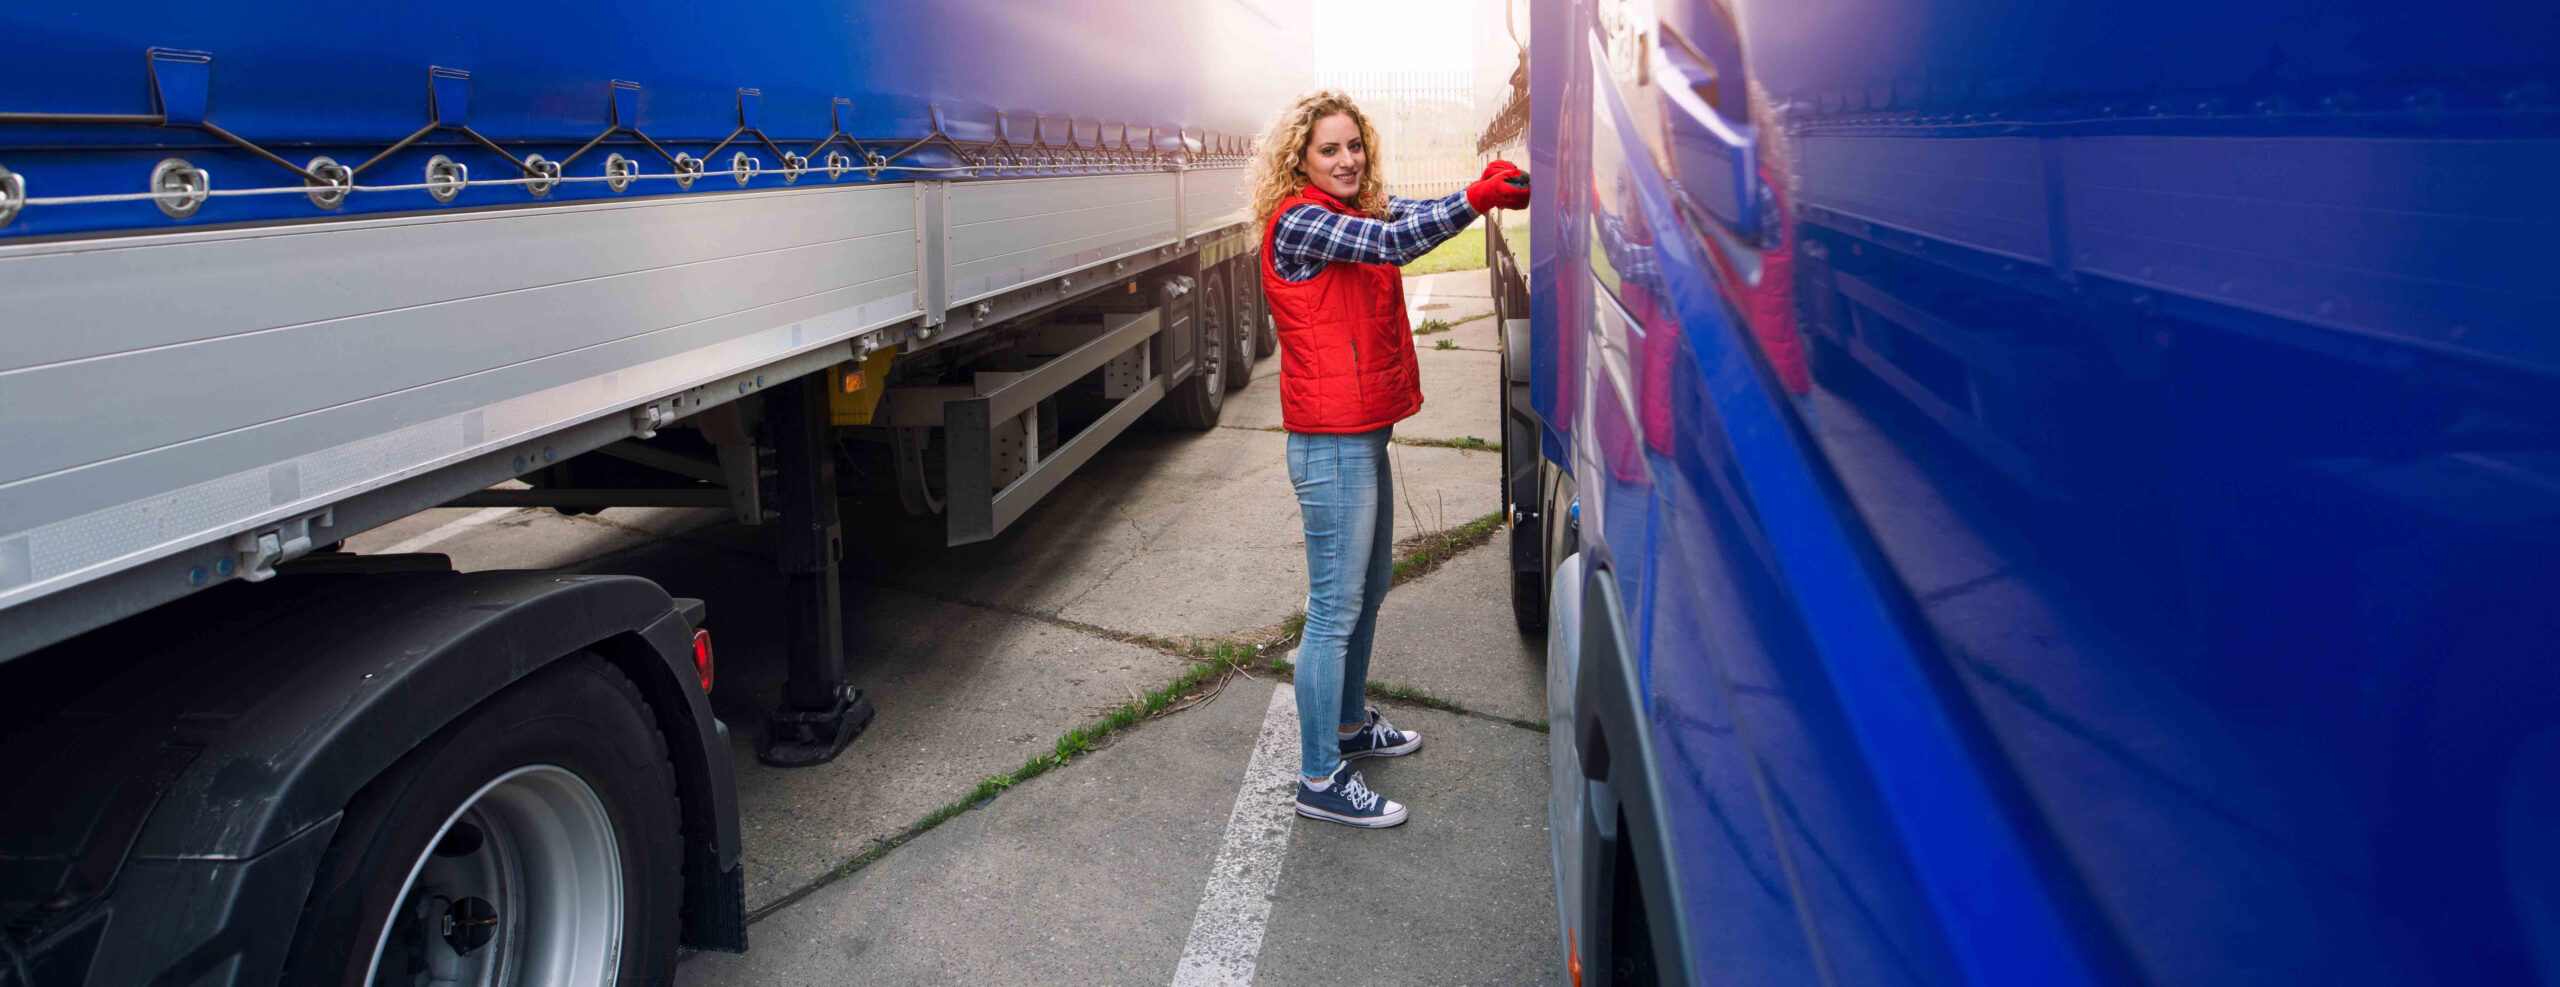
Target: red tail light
702,657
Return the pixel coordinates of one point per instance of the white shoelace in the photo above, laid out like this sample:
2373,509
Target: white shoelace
1383,731
1357,791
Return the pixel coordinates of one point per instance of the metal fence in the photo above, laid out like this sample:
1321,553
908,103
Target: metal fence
1427,125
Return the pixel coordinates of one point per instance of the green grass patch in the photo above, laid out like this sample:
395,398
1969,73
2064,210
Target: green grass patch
1464,252
1414,697
1470,443
1430,326
1446,344
1426,552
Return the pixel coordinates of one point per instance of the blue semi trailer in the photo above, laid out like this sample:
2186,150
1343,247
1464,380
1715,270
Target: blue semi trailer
273,275
2044,493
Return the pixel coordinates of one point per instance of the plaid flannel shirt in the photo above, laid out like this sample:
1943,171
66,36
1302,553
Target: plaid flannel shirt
1310,236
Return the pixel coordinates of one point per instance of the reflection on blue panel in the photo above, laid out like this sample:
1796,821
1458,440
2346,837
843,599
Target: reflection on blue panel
2183,444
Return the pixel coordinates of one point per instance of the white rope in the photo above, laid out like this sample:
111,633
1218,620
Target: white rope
77,200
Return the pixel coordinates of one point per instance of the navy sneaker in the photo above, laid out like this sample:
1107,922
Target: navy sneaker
1378,738
1348,801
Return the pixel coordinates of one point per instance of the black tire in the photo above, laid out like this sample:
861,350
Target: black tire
1524,471
1529,538
1196,401
1244,345
1257,310
1529,602
578,714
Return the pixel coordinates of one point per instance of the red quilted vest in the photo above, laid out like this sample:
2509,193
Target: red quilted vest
1346,351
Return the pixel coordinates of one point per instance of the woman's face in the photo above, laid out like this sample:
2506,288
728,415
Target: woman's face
1336,158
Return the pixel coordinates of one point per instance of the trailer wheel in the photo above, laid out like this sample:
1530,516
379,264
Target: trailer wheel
1524,482
534,840
1196,401
1257,310
1244,343
1528,537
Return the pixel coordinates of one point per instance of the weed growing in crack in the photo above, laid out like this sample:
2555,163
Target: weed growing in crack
1470,444
1198,683
1426,552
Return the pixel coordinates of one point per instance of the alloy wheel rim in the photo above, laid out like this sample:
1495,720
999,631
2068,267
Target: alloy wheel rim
521,885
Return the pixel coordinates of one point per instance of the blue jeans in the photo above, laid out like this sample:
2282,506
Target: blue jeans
1346,495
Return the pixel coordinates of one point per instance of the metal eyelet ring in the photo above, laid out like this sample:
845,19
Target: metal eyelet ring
792,166
446,178
837,164
330,182
874,162
742,167
13,195
545,174
179,188
618,171
688,168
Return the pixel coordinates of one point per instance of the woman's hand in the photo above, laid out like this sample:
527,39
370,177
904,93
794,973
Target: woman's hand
1496,190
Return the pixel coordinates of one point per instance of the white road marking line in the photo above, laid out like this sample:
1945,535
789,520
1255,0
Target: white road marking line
1226,933
1414,302
449,529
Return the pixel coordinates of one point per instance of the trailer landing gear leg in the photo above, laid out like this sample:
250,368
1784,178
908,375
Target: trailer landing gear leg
819,713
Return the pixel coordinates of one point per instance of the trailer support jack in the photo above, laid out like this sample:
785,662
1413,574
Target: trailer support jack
819,713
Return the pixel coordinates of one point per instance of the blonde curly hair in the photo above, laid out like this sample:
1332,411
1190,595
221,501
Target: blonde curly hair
1278,153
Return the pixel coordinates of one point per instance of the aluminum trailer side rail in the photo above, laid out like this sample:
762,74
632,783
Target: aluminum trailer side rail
200,406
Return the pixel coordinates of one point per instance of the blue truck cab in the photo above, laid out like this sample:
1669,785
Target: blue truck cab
2044,493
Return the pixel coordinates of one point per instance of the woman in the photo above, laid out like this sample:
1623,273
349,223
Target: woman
1332,241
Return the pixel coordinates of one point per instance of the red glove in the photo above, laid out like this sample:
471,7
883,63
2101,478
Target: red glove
1496,190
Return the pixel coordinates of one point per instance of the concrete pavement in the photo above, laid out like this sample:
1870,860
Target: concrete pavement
981,657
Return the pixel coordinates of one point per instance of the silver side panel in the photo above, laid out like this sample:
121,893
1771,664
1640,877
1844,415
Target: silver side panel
159,392
1007,233
164,395
1211,199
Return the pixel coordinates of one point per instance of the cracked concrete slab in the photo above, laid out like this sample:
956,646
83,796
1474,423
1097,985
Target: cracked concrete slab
1482,335
1092,873
1458,285
1085,875
1450,634
1462,400
962,693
